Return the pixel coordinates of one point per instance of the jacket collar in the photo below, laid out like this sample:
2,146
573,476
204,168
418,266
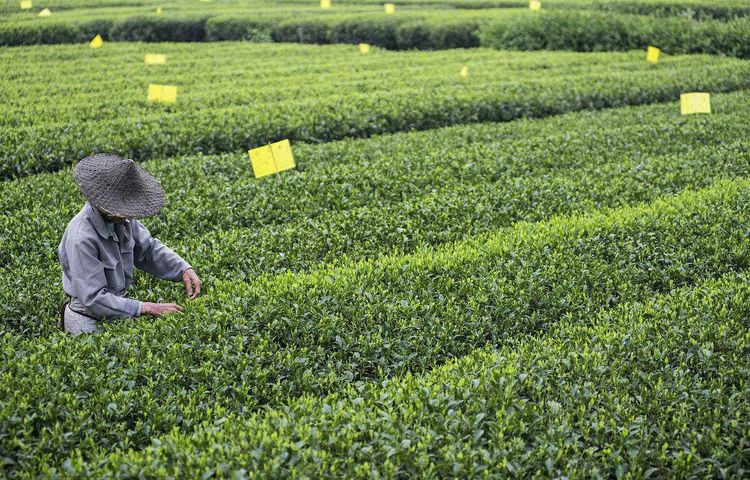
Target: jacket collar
97,221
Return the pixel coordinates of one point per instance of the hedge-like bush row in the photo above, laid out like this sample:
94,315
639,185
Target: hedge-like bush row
350,199
12,6
594,31
697,9
246,345
367,205
255,94
428,27
135,28
651,389
423,29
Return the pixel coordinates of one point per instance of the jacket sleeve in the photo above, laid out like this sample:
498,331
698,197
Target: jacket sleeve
90,284
152,256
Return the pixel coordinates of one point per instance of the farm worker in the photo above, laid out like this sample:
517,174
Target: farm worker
104,242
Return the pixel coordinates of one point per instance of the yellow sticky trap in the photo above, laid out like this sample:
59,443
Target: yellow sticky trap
364,48
691,103
652,55
390,8
325,4
159,11
97,42
45,13
155,59
25,4
272,158
464,71
162,93
535,5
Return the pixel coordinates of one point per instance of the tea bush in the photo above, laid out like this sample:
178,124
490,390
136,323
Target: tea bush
350,200
297,92
586,31
559,296
351,21
250,344
598,396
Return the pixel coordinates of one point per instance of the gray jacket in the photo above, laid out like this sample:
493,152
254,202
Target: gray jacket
97,260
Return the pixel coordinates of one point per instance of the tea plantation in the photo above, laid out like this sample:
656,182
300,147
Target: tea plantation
537,268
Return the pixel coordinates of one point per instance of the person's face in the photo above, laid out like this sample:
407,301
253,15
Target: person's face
112,218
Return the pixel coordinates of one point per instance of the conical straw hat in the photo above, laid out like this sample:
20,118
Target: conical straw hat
118,186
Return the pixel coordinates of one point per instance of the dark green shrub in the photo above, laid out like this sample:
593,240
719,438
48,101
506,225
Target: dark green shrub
587,31
381,32
414,35
454,35
237,28
53,33
50,33
302,31
159,29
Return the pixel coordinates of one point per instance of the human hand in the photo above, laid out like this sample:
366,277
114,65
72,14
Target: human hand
192,283
159,309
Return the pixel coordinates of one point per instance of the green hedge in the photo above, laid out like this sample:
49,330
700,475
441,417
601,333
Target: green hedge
593,31
428,30
396,34
158,29
417,24
367,205
695,9
290,335
263,93
237,28
656,389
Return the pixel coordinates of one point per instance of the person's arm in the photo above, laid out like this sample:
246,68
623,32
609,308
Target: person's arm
152,256
90,284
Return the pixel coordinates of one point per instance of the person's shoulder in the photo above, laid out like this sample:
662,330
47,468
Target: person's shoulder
79,228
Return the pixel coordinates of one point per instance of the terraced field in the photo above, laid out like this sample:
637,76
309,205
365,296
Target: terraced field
257,93
536,270
676,26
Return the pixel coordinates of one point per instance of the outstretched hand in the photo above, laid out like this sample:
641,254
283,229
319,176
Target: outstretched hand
159,309
192,283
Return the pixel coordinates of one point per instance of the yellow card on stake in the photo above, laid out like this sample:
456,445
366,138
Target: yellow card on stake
45,13
155,59
691,103
464,71
97,42
159,11
326,4
272,158
535,5
25,4
652,55
364,48
390,8
162,93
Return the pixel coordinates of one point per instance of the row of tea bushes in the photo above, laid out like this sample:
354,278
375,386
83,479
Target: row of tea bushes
598,31
432,28
696,9
305,93
581,30
349,200
429,24
245,345
656,388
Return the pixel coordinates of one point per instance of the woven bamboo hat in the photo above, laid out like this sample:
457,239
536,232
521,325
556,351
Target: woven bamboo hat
118,186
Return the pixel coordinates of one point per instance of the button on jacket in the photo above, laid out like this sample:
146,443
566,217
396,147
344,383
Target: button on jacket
97,260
